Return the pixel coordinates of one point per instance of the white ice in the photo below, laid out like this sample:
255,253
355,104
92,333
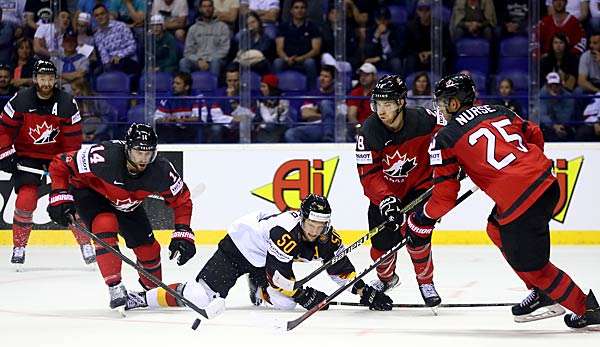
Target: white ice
57,302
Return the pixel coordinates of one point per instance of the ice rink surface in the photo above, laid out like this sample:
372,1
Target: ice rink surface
56,301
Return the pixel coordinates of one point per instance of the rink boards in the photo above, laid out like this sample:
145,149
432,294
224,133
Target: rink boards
231,180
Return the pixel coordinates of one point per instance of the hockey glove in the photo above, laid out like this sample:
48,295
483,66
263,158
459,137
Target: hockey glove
8,160
61,207
418,228
182,244
309,297
390,211
376,300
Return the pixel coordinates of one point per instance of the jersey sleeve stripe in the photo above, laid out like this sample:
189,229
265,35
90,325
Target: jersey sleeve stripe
441,179
372,171
73,133
526,193
3,123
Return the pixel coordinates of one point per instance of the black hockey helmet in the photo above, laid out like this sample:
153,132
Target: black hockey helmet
140,137
459,86
389,87
316,207
44,67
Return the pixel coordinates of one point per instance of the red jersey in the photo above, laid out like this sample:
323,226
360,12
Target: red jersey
570,27
503,155
102,168
395,163
363,105
39,128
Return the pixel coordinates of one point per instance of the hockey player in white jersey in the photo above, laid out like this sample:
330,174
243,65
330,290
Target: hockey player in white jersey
264,246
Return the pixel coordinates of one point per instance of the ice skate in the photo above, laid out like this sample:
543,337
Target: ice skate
387,285
254,292
136,300
18,258
590,317
118,295
430,296
527,310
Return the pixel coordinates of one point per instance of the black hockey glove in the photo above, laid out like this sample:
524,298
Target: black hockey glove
182,244
418,228
309,297
8,160
61,207
390,211
375,299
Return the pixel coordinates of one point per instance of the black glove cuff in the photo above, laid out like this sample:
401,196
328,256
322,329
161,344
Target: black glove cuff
360,284
422,219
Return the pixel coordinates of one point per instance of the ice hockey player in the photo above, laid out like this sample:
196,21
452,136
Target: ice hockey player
106,183
393,165
36,124
503,155
264,246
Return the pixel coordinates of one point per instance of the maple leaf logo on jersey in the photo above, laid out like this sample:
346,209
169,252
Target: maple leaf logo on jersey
43,134
398,166
127,205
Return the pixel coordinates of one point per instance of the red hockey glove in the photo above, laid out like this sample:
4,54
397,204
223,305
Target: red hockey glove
61,207
182,244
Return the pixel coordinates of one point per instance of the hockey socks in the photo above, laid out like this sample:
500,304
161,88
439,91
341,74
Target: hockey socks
422,262
148,257
158,297
23,217
105,226
385,270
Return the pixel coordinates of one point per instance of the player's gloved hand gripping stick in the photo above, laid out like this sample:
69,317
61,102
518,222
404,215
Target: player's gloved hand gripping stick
294,323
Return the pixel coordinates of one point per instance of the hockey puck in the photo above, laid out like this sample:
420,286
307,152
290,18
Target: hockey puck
196,324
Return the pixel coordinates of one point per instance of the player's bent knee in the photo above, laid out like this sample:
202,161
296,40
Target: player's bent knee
280,301
201,295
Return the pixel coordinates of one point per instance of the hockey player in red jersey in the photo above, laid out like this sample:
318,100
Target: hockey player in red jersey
36,124
503,155
393,165
106,184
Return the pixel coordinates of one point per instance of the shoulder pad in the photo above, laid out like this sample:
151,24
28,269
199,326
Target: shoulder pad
372,134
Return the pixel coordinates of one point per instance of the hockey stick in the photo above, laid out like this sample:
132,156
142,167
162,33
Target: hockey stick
198,190
360,241
141,270
294,323
492,304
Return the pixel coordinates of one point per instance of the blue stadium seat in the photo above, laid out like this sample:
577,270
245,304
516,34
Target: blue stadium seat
136,114
115,83
383,73
514,54
480,82
163,81
473,55
399,14
292,81
203,82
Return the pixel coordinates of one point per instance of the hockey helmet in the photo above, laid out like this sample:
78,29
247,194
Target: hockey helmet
316,208
389,87
141,137
459,86
44,67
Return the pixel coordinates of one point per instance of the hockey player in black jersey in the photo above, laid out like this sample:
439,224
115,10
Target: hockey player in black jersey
264,246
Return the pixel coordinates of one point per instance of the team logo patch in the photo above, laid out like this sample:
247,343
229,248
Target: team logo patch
43,134
126,205
398,166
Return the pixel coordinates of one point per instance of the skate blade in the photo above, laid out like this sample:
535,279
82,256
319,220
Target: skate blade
18,267
120,311
548,312
434,309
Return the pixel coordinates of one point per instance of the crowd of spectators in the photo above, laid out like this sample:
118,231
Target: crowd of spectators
290,49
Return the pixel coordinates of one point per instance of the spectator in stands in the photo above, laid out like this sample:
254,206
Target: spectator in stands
473,18
71,66
418,45
595,15
131,12
314,11
83,28
580,9
272,114
420,93
13,12
87,6
174,116
317,116
562,21
589,67
267,10
384,47
38,12
513,17
556,110
47,41
298,44
7,90
505,91
7,33
175,13
115,43
23,64
360,109
224,115
207,42
227,12
261,49
590,131
96,114
328,45
560,60
166,47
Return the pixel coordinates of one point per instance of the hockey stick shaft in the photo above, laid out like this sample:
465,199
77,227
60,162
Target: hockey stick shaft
141,270
294,323
359,242
491,304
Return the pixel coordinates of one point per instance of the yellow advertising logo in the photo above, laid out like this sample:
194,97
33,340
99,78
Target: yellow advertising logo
295,179
567,173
